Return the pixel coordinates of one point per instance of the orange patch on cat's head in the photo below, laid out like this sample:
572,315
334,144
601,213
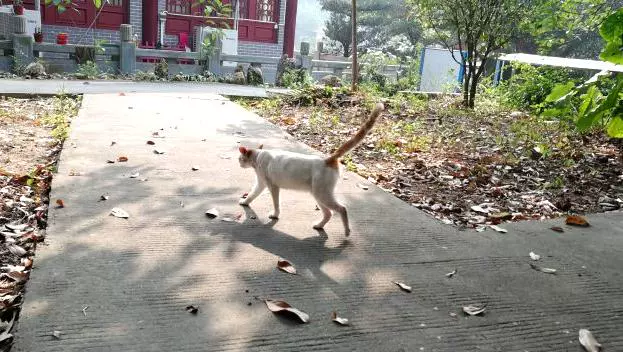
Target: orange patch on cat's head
244,151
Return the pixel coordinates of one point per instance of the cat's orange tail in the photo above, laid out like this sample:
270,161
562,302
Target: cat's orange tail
358,137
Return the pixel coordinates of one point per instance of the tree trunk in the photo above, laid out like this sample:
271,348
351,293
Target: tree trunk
346,50
466,88
354,45
472,91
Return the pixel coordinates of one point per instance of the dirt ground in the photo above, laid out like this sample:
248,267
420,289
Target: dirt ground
470,169
28,156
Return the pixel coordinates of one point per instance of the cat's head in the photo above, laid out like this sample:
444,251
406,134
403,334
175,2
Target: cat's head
246,156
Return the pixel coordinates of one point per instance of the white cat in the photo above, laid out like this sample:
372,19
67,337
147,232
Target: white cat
277,169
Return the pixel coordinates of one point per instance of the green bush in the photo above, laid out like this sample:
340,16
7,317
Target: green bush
87,70
296,78
529,85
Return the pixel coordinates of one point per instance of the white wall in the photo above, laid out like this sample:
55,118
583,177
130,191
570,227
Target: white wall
440,73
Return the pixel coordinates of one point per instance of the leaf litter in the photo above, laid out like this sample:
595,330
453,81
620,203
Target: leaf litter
282,307
588,341
286,266
542,269
119,213
339,320
473,310
455,163
403,286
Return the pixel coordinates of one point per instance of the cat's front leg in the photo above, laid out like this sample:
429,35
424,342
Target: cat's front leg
274,191
255,192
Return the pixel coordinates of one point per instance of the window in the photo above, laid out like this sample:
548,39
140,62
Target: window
179,6
265,10
243,8
115,2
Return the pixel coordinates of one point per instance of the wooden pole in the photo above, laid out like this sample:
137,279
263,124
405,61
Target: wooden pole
354,45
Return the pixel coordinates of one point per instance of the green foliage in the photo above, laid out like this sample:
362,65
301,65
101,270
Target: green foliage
296,78
88,70
65,108
529,86
63,5
567,27
477,27
597,102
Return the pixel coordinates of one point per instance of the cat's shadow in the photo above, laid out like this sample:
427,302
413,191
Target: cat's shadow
310,252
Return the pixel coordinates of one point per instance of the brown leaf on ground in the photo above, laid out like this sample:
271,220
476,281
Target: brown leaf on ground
403,286
474,309
151,142
192,309
119,213
339,320
158,152
588,341
282,307
557,229
212,213
17,250
27,263
18,277
451,274
122,159
60,203
122,94
577,220
542,269
286,266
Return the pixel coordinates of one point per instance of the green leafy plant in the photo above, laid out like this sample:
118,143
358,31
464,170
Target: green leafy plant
88,70
63,5
297,78
600,102
65,108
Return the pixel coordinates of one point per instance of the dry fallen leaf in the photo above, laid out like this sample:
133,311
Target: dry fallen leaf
498,229
474,309
588,341
110,161
557,229
362,186
286,266
403,286
27,263
192,309
339,320
534,256
543,270
576,220
159,152
195,168
120,213
17,250
122,94
244,196
212,213
56,334
451,274
17,276
135,175
151,142
122,159
104,197
284,307
60,203
6,327
74,173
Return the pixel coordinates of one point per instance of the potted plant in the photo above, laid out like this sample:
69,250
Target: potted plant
18,7
38,35
62,38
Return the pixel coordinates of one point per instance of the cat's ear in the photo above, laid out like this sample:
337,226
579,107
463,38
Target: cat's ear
243,150
261,146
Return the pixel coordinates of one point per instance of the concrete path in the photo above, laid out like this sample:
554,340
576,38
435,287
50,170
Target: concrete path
137,275
51,87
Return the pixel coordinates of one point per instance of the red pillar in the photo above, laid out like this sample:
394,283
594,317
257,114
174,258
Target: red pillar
150,22
290,28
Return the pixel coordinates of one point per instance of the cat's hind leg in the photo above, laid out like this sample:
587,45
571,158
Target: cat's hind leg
328,200
326,216
258,187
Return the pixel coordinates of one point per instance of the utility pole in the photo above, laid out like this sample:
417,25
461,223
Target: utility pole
354,45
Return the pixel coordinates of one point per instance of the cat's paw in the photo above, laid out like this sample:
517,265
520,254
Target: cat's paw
318,226
347,232
273,216
244,202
